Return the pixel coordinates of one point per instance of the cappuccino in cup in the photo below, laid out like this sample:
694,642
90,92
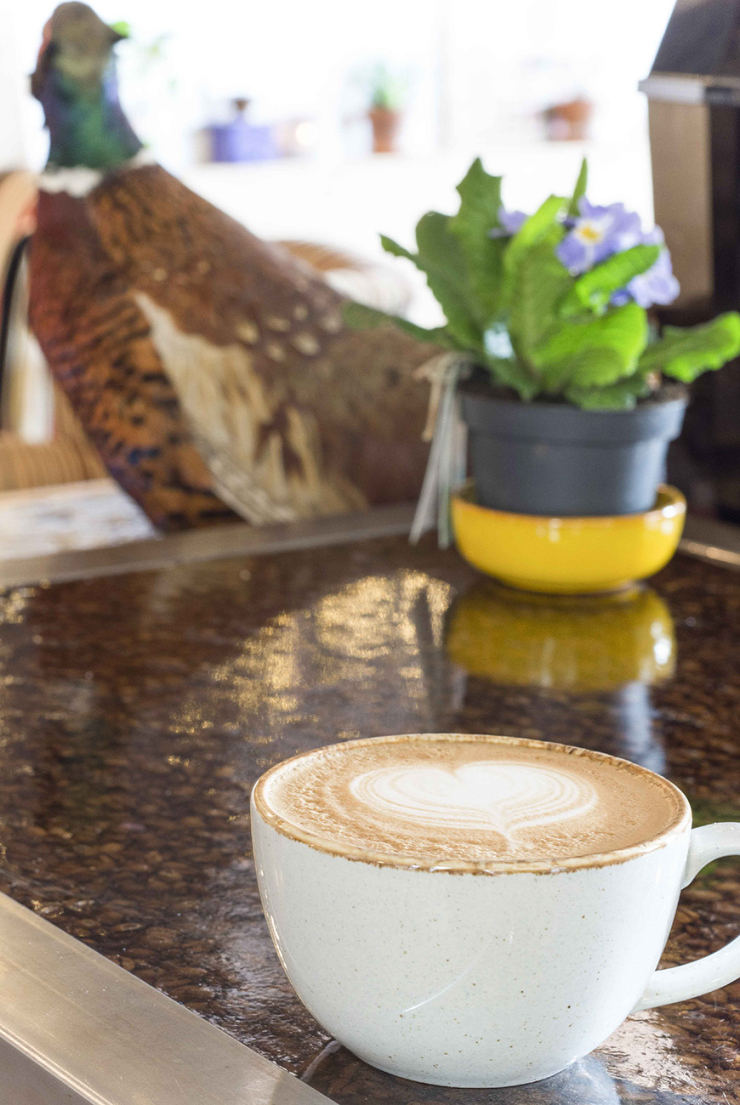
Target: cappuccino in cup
477,910
468,802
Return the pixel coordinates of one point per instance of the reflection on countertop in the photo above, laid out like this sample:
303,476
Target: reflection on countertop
563,642
137,712
619,644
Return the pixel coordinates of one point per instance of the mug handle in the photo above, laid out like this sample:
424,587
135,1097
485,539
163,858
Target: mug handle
708,843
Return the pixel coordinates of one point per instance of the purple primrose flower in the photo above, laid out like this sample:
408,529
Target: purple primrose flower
656,286
509,223
597,233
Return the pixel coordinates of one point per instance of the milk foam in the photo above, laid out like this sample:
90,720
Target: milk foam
466,799
503,796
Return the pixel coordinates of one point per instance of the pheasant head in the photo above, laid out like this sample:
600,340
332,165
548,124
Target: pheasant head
75,81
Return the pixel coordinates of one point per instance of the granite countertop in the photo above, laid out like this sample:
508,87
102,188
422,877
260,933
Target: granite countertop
137,712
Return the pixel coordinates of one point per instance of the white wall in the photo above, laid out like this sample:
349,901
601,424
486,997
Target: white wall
15,133
525,54
479,68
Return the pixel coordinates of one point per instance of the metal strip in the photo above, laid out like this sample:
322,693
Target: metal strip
207,544
684,88
717,542
674,88
75,1029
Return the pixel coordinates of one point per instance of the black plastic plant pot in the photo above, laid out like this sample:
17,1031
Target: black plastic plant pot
558,460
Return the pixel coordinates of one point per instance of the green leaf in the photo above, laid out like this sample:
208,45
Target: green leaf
437,335
621,396
579,190
398,251
535,281
441,258
537,286
480,203
594,353
595,288
360,317
511,373
532,231
686,353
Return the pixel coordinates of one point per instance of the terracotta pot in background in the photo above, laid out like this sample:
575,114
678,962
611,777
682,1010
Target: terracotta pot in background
568,121
386,125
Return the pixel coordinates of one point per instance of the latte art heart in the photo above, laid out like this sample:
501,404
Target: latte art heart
459,801
505,797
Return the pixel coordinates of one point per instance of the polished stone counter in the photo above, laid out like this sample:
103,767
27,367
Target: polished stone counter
138,710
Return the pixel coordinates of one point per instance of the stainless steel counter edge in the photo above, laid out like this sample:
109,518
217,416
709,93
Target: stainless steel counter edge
704,538
75,1029
717,542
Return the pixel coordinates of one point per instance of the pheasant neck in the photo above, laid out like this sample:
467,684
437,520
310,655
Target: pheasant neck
87,127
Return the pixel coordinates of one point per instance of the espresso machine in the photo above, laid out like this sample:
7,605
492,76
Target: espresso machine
693,96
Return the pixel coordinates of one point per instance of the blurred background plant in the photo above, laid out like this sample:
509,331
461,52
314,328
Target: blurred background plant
388,88
387,93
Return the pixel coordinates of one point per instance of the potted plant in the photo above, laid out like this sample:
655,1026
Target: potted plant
569,394
386,100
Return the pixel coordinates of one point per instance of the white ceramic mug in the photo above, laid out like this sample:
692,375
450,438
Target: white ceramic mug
485,979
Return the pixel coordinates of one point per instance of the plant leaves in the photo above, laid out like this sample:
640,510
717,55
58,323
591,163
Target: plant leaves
593,353
580,189
442,259
535,281
511,373
398,251
686,353
537,286
480,203
360,317
537,225
621,396
595,288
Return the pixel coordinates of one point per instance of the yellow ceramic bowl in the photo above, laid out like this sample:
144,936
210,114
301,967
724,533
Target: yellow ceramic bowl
568,555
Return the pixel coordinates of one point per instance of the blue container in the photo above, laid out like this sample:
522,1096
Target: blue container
241,141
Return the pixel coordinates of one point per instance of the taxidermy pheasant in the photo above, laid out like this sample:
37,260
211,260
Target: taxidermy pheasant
213,372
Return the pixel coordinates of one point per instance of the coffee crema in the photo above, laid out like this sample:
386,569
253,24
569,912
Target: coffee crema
467,800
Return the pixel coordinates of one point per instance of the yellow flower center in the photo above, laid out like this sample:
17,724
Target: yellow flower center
589,233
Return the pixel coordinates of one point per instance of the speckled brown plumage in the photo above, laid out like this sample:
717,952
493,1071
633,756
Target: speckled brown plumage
97,342
336,412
